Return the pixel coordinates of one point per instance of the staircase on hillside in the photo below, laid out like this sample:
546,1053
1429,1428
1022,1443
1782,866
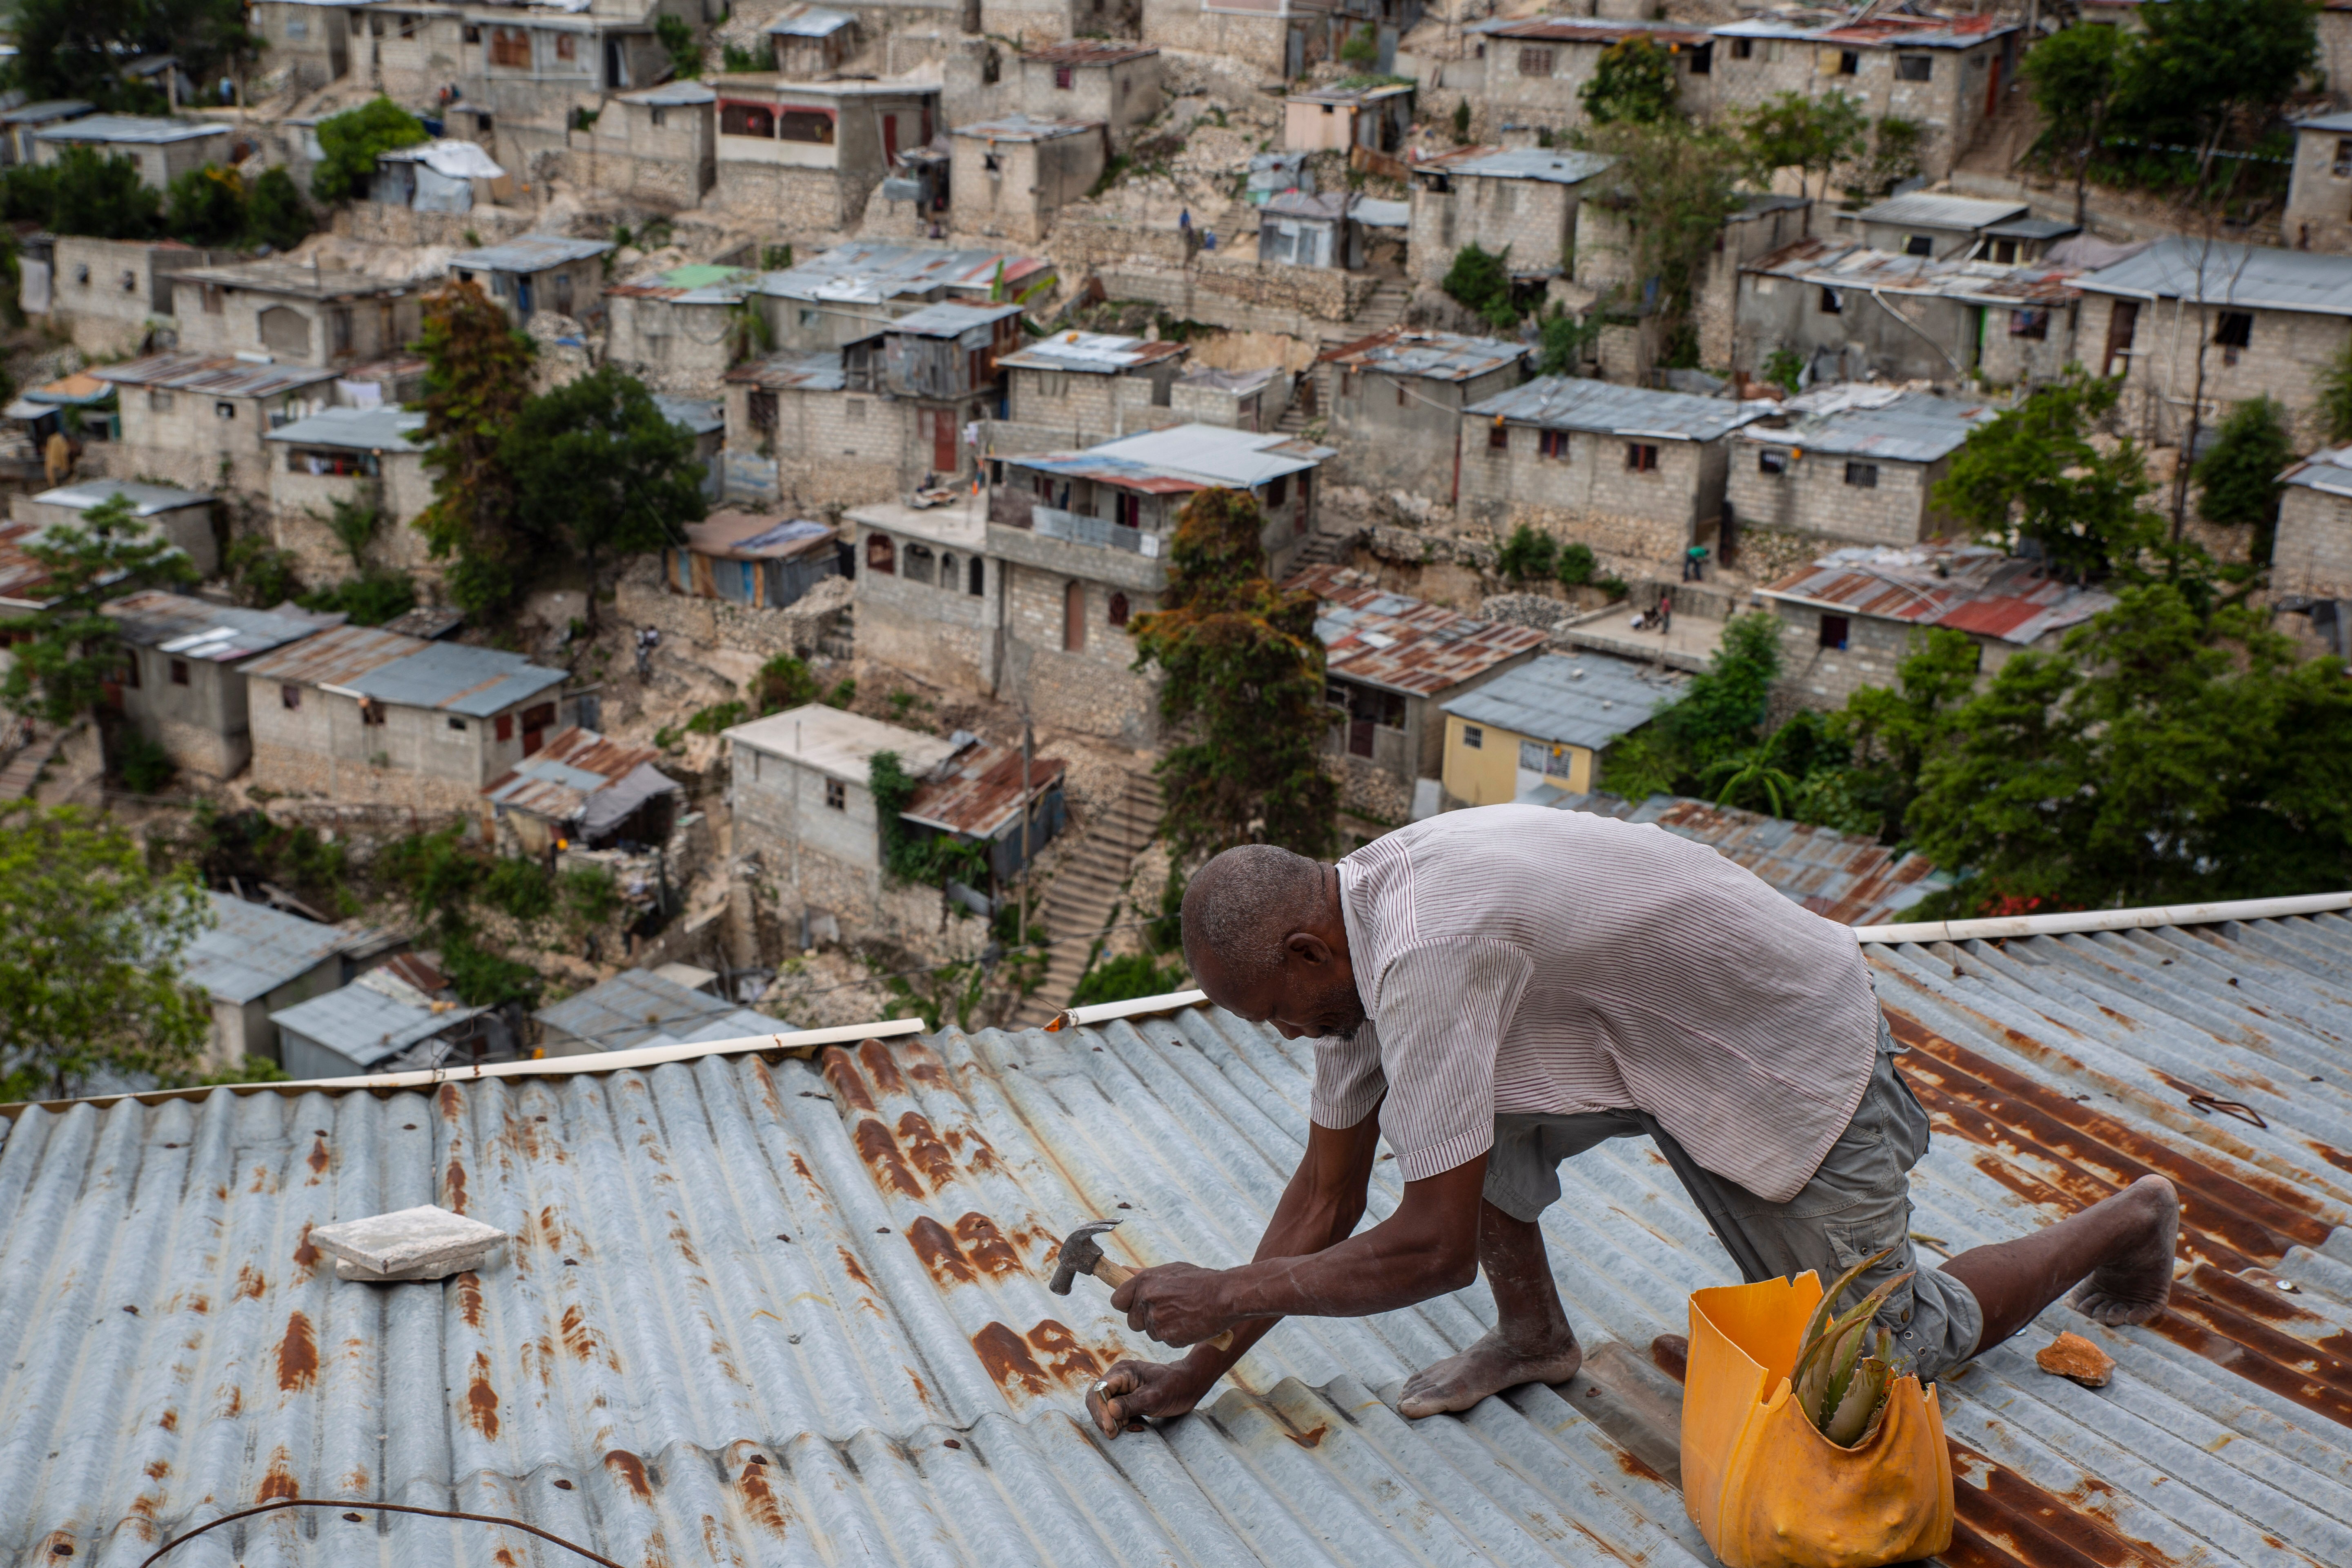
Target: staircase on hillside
24,764
1085,891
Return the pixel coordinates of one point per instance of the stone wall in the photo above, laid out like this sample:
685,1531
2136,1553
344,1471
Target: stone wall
798,629
2287,354
685,349
1261,41
382,223
1369,791
299,504
2312,554
795,203
1535,219
1240,295
1817,495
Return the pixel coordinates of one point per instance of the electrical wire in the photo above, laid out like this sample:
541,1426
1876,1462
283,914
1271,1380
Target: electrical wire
352,1510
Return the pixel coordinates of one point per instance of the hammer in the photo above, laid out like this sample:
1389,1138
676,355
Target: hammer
1081,1254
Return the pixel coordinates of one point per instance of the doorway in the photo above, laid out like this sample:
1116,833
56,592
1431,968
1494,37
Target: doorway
1074,618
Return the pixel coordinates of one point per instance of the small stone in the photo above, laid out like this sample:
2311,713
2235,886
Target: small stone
2072,1356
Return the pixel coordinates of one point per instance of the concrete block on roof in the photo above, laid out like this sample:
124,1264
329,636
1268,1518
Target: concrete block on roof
427,1242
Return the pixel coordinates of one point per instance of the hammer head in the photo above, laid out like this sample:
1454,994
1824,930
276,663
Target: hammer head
1079,1255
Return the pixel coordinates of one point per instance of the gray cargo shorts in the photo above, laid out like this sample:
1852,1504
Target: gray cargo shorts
1858,1202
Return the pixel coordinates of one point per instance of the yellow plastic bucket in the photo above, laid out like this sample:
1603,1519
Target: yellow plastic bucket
1766,1488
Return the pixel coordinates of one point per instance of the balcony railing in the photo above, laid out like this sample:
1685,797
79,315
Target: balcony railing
1077,529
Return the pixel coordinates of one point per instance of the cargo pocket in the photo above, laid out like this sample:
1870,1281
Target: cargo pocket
1853,1234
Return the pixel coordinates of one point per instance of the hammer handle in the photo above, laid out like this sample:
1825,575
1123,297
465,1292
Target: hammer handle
1118,1274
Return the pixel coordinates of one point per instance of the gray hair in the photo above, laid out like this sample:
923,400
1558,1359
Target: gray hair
1241,906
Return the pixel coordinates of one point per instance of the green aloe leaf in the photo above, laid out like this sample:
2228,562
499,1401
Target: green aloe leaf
1864,1396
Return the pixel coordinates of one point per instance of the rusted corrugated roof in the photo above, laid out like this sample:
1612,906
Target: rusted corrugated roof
982,792
219,376
767,1310
556,781
1439,356
335,657
23,580
1967,587
1090,52
1404,643
1595,30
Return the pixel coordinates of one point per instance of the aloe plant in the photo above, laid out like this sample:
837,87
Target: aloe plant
1842,1391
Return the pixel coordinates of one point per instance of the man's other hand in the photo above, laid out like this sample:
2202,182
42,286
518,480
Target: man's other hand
1133,1390
1176,1303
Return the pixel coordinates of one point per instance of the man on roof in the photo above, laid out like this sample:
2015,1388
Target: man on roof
1496,990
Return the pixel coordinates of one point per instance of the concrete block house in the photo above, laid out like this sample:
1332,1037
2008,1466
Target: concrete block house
674,330
1536,732
537,272
1010,176
254,960
301,315
162,149
927,596
1850,464
2310,559
1637,475
1397,399
1100,80
1527,75
657,145
183,518
183,675
2318,214
368,457
1075,388
359,713
803,156
1522,201
111,295
848,293
203,420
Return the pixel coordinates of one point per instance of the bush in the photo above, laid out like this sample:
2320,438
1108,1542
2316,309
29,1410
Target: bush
351,142
28,192
102,197
736,61
438,874
1575,563
1782,368
262,574
717,717
144,763
1363,50
1481,280
1126,977
783,682
1462,122
1529,555
369,601
276,216
485,979
590,895
520,886
2238,477
206,207
685,50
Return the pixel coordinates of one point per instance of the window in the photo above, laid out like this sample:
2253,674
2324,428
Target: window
458,725
2235,330
1743,48
473,33
223,410
1769,461
297,29
813,125
1920,245
836,795
2029,324
1535,62
2343,158
747,120
159,402
918,566
179,672
371,711
978,575
1849,62
881,555
1641,457
760,407
290,697
1915,67
1399,392
2004,251
1862,475
1278,491
1062,77
506,727
1832,304
947,570
408,25
510,47
213,298
567,47
660,117
1117,615
1474,737
129,666
1364,709
1702,60
1833,632
1553,444
339,329
1499,438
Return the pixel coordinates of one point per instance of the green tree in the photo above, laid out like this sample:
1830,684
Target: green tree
1893,731
1675,184
1634,83
67,651
100,196
351,142
76,49
2336,395
1243,684
2158,757
677,41
276,216
1577,564
2238,477
1529,554
206,207
2031,474
90,946
1362,49
1894,157
1565,340
1481,280
477,380
1810,136
599,470
1718,719
2074,76
2204,65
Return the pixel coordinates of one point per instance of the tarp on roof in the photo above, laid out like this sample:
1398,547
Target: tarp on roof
750,536
450,158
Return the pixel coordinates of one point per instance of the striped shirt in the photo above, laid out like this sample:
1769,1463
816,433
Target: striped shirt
1516,958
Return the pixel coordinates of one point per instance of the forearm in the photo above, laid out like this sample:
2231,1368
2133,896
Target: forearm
1387,1267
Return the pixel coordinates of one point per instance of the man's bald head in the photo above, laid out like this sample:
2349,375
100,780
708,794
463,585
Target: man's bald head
1263,936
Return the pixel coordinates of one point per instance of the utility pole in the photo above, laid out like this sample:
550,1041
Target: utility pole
1028,748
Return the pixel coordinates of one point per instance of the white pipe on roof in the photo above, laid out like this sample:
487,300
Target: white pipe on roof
2106,920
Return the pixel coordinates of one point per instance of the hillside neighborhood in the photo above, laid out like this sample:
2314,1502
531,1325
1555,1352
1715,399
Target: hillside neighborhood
545,544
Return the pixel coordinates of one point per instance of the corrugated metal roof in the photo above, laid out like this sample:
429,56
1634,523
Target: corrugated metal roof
1976,590
2329,469
757,536
1872,27
702,284
124,127
145,500
794,371
2225,274
700,416
1849,877
636,1007
1401,643
1438,356
951,318
334,658
1928,209
455,678
1856,419
302,280
871,272
2032,228
1216,453
1570,403
366,1026
22,578
1571,699
982,792
801,21
48,110
1090,353
1845,264
1316,207
708,1392
556,781
218,376
1595,30
671,95
1558,167
1090,52
530,253
1026,127
193,628
384,428
251,950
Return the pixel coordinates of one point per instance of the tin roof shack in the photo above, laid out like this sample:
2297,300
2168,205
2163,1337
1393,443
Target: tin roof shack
1528,75
799,783
296,315
1929,224
183,415
673,330
1250,400
78,404
1012,175
811,41
17,125
371,457
1299,229
1391,663
1397,399
359,713
1094,79
1851,464
2311,558
1539,729
444,176
162,149
580,789
1524,200
384,1021
658,145
1947,74
850,292
1848,619
254,960
2263,322
976,798
1853,314
925,596
939,366
802,156
539,272
641,1007
182,679
752,558
183,518
1075,388
1335,118
108,294
704,418
1637,475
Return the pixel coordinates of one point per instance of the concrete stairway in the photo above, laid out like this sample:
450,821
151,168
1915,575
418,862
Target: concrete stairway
24,764
1086,891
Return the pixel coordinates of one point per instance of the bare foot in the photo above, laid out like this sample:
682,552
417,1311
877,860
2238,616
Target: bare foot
2135,1287
1490,1366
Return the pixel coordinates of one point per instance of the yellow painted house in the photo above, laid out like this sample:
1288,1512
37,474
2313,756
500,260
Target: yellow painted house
1536,732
